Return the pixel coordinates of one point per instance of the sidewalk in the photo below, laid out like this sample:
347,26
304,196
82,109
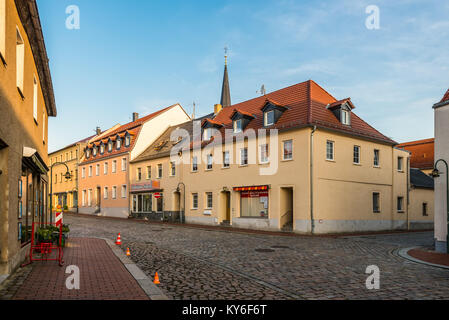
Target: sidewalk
102,276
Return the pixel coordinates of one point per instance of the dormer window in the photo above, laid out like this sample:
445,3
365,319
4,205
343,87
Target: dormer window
101,148
342,110
272,111
110,144
207,134
88,153
119,143
94,151
269,118
238,126
345,117
127,140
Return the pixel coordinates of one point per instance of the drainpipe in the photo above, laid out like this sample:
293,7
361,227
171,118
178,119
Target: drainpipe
408,192
312,221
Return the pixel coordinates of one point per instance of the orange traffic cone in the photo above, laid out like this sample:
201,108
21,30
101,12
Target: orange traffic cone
119,240
127,252
156,279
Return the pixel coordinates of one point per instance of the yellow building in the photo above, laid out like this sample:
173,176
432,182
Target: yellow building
27,100
295,159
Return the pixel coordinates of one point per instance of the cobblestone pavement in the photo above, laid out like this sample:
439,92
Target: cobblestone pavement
211,264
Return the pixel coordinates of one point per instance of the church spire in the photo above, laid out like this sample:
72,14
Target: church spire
225,91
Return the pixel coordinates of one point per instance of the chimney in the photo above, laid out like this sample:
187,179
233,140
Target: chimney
217,108
135,116
98,131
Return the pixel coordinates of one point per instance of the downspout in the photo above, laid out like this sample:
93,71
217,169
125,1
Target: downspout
312,221
408,191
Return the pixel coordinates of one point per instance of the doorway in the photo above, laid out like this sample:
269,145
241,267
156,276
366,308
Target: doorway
225,207
286,209
98,200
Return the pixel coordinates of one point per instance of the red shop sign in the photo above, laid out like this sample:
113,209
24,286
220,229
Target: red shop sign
253,194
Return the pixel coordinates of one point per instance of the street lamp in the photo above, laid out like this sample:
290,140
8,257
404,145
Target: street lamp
67,176
436,174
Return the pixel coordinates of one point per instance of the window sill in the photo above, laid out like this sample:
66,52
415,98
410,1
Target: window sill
376,167
208,169
376,212
194,171
357,164
243,165
400,171
330,160
401,211
226,167
286,160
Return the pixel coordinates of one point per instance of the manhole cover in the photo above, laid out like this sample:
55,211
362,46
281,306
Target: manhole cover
264,250
280,247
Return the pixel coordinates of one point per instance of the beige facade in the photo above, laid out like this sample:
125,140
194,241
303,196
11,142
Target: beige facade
26,102
341,201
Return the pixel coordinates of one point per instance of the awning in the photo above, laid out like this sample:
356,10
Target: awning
254,188
33,160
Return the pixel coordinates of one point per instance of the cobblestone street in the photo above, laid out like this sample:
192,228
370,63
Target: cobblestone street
212,264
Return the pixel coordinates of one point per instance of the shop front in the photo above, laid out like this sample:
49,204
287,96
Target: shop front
147,201
254,208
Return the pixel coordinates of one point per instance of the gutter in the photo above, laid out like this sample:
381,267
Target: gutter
312,221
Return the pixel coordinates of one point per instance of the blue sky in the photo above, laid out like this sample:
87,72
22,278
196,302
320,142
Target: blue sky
140,56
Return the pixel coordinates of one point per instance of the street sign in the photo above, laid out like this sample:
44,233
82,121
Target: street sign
157,195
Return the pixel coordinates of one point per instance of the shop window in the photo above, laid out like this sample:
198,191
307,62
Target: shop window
254,204
160,203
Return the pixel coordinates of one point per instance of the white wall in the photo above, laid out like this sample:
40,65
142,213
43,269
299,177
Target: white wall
153,128
441,152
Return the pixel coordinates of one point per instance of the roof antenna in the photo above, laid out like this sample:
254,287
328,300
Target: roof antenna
262,90
193,114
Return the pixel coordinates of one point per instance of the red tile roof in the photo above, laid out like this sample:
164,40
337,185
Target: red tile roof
133,128
422,153
306,103
445,97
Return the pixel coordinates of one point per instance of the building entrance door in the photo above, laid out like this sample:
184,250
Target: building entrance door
98,200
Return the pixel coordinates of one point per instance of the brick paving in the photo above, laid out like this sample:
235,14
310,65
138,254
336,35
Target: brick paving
102,276
430,256
214,264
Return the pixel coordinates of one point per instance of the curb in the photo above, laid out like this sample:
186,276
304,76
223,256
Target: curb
403,253
151,290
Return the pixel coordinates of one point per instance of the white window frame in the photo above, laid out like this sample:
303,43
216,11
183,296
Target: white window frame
401,164
244,156
124,164
83,172
20,61
210,162
172,168
207,134
283,150
114,192
211,200
160,171
358,154
265,118
3,29
330,151
264,156
195,164
118,143
226,159
124,191
105,192
195,196
237,128
148,172
90,171
105,168
97,169
376,160
345,117
114,166
35,96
